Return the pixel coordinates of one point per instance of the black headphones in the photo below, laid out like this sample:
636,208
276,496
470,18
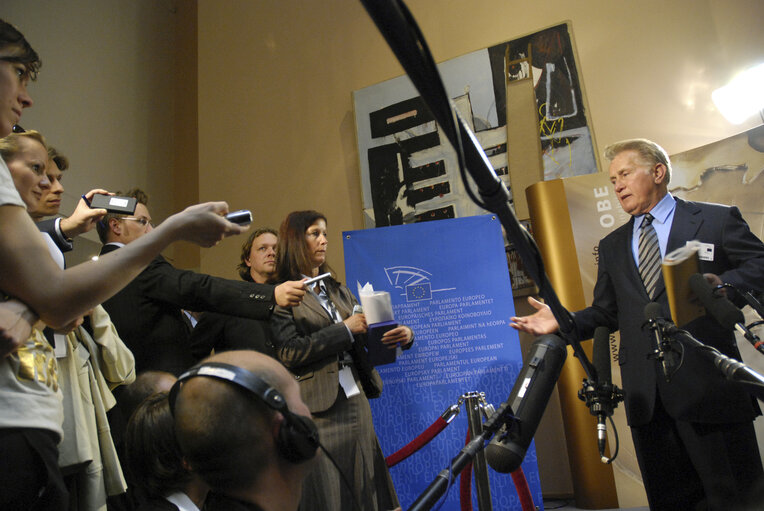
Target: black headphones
297,440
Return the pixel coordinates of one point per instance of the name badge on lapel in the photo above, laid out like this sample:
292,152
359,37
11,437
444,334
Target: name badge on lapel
706,251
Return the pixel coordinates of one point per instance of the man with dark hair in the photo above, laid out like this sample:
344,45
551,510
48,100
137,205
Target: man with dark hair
145,384
229,437
148,312
160,478
223,332
693,436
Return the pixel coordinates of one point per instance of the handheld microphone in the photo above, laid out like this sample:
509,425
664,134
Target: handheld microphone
658,326
528,401
723,311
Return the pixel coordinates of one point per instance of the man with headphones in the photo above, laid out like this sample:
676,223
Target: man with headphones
243,427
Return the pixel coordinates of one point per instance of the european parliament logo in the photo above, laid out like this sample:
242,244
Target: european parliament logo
420,291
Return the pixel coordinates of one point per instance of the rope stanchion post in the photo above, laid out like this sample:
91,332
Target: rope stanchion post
475,402
469,458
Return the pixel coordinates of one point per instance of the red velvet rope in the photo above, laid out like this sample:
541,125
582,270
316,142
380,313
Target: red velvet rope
523,492
416,444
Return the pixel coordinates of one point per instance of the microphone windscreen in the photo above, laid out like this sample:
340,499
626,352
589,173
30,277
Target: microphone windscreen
653,311
601,355
723,310
528,401
701,288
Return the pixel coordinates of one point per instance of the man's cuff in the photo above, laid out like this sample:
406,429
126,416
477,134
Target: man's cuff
352,339
64,243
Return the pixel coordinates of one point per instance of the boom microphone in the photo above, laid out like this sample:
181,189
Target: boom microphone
528,401
601,355
723,311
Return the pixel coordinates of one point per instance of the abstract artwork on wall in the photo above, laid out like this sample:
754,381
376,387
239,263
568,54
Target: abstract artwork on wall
409,171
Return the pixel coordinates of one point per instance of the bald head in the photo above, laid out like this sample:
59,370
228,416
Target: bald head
222,427
207,392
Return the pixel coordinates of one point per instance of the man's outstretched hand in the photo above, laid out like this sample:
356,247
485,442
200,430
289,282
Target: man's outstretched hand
290,293
539,323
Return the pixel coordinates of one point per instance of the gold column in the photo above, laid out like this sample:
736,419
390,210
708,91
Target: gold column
593,481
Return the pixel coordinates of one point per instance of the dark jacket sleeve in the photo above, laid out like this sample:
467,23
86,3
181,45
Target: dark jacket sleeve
306,340
604,308
50,227
745,253
199,292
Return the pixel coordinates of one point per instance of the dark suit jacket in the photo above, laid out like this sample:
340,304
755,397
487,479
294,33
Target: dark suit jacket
222,332
148,317
219,502
697,392
309,343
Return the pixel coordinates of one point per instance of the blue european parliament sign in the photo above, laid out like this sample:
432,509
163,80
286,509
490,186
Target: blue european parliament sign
448,280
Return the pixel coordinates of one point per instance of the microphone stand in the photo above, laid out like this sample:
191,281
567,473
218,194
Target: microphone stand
440,484
747,296
747,330
402,34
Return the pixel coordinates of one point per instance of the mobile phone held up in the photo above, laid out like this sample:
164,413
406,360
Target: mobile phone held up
241,217
114,204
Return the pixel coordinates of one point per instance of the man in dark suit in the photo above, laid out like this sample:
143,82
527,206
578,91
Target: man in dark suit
694,435
223,332
147,313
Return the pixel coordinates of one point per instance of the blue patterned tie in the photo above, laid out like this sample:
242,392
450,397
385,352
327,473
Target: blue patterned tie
649,256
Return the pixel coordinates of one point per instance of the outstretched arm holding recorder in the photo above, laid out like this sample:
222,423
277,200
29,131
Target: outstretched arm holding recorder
31,275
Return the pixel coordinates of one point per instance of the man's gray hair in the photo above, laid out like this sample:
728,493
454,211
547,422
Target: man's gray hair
648,150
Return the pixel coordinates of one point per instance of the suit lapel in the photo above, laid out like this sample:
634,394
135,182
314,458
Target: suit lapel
629,263
314,307
686,224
